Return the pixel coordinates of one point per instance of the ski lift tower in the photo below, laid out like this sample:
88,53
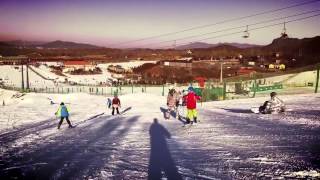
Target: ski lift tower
284,34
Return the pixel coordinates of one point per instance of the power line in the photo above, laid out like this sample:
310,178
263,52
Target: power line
233,28
217,23
238,32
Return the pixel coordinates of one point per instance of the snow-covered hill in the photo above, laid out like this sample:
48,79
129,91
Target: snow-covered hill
229,142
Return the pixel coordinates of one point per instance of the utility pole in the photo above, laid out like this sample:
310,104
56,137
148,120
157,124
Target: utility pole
317,79
27,73
22,77
221,70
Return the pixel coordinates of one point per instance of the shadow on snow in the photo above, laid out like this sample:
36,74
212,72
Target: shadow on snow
161,161
79,151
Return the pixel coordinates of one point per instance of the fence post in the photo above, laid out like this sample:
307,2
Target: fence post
224,90
132,88
254,86
163,90
317,79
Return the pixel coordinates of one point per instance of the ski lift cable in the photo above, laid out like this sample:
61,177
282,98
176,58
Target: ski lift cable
253,29
219,22
233,28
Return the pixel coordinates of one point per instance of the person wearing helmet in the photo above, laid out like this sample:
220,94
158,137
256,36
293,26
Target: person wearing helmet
191,100
63,112
115,104
274,106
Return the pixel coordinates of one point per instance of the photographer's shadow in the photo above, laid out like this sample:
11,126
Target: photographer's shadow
161,161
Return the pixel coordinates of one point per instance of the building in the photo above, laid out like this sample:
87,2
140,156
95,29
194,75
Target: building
118,69
271,66
177,63
70,66
282,67
251,63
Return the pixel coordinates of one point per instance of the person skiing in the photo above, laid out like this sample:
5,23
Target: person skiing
171,102
109,103
274,106
191,100
115,104
63,112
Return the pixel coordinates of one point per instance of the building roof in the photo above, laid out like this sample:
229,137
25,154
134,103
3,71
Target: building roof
77,62
177,61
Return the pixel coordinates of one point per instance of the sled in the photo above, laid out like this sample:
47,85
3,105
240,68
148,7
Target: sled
255,110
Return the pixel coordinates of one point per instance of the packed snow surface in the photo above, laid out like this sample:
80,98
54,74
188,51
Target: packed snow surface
229,142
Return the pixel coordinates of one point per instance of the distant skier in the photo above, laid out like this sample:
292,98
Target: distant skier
115,104
273,106
63,112
171,102
109,103
191,100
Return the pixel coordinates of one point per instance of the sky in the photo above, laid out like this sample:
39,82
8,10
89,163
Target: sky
116,23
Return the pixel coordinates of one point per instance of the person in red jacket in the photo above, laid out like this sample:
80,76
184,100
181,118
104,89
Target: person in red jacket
115,104
191,100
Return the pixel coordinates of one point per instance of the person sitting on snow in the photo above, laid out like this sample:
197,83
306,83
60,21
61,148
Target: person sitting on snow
273,106
115,104
191,100
63,112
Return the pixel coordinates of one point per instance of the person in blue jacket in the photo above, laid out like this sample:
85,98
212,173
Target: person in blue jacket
63,112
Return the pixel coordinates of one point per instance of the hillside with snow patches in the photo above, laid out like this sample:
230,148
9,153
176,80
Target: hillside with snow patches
11,75
229,142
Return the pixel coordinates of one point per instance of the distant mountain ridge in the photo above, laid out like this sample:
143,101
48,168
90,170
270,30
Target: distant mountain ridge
54,45
202,45
68,45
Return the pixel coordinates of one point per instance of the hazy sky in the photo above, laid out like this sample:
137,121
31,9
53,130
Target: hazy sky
108,22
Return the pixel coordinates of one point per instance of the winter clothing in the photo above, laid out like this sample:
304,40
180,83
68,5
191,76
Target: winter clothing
172,99
190,88
67,119
63,112
115,105
191,99
109,103
273,106
192,114
116,101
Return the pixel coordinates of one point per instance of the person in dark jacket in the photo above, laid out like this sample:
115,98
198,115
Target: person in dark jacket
274,106
109,103
63,112
115,104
